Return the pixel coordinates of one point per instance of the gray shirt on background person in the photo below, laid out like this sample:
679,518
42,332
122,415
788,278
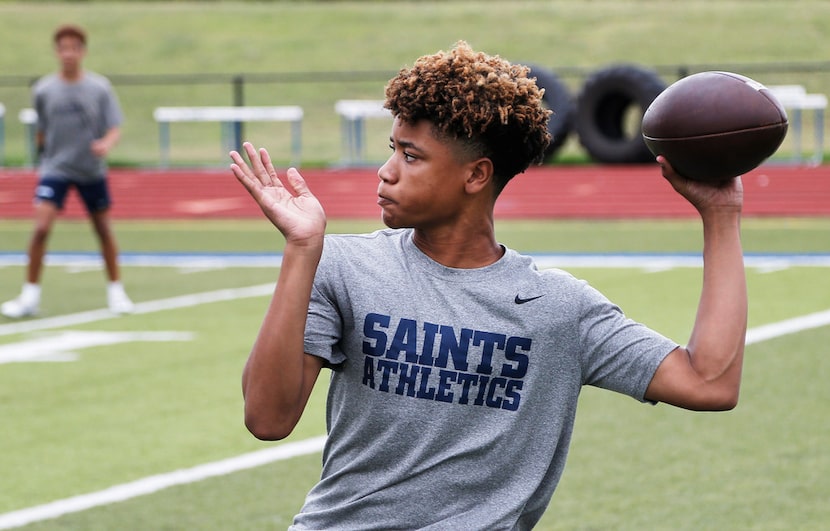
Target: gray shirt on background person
71,115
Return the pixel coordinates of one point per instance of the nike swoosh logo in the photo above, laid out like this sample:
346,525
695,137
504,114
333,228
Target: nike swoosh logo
519,300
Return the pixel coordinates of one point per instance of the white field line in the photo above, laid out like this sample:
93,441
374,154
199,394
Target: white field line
788,326
159,482
182,301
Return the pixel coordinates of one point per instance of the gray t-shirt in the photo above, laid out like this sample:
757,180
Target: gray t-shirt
71,115
453,391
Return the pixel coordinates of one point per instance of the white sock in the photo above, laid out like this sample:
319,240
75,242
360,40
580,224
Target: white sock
30,292
115,286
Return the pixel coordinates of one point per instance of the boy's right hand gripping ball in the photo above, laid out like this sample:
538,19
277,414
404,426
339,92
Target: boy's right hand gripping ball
713,126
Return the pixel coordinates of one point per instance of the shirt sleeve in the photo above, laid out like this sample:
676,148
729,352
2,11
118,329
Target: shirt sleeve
39,106
324,323
619,354
113,117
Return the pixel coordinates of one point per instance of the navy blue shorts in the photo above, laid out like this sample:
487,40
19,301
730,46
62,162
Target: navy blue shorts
95,195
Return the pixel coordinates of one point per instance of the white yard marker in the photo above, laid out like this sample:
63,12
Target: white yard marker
183,301
63,346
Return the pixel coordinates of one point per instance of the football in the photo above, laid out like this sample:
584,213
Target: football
713,126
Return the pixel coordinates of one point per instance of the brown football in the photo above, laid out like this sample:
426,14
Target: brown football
713,126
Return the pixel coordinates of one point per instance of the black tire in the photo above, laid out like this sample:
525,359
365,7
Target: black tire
609,113
559,99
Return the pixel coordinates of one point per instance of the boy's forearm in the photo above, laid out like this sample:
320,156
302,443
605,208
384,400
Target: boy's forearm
717,341
274,382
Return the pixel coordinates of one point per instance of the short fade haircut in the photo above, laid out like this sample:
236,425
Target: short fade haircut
69,30
491,106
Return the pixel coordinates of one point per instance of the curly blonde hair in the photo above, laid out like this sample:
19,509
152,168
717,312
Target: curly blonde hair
488,104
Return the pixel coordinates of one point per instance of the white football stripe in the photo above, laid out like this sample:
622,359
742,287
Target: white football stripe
159,482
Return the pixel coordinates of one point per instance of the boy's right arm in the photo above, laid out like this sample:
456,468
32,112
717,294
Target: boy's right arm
278,377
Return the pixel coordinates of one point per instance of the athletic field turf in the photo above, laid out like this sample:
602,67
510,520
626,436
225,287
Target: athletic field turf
147,408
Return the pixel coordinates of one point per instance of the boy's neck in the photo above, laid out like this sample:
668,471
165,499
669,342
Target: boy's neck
468,251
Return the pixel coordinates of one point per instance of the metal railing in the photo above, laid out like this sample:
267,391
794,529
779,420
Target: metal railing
315,92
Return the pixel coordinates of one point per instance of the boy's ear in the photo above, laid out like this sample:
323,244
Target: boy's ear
480,175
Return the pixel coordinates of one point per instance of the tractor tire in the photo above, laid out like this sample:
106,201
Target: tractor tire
609,113
558,99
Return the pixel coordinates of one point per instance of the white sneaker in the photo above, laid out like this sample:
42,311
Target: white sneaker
117,299
25,305
17,308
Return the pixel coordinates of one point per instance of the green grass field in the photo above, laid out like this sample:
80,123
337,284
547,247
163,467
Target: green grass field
290,37
135,409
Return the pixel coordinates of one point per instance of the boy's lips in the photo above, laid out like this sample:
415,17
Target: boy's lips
383,200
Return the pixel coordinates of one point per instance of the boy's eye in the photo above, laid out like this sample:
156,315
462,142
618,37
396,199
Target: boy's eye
407,156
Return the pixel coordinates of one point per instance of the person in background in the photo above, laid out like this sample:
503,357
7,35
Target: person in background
78,123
